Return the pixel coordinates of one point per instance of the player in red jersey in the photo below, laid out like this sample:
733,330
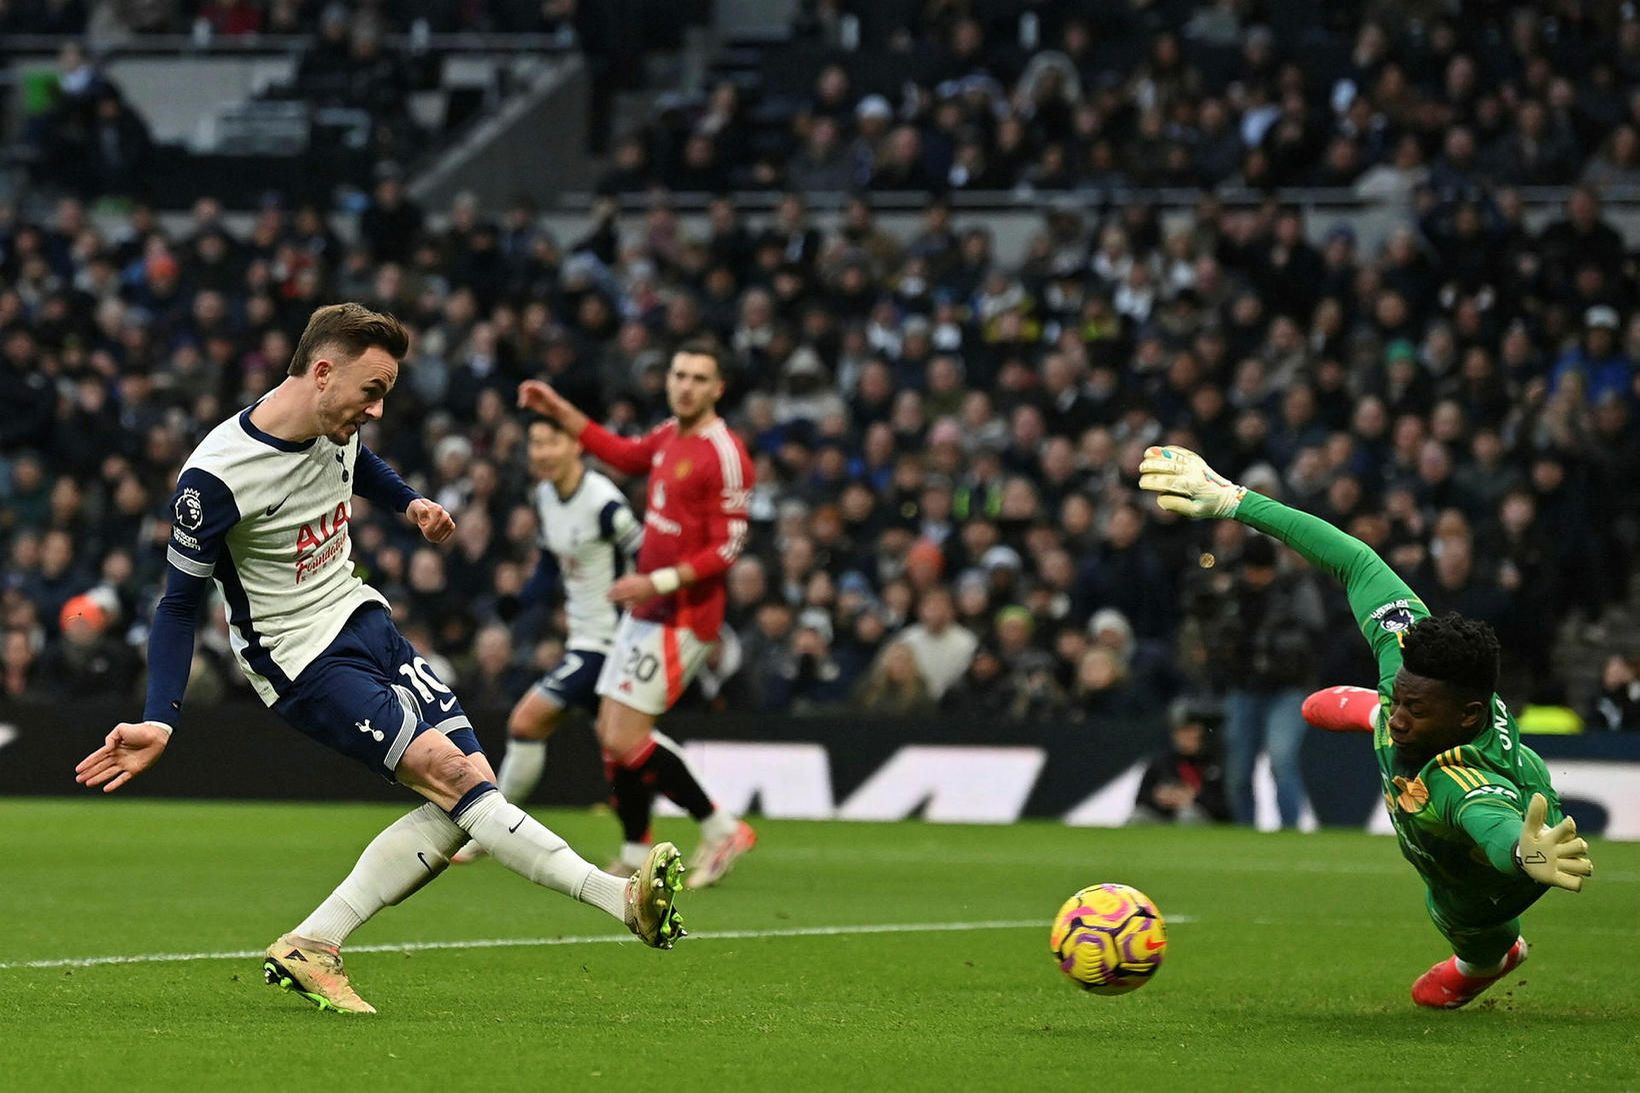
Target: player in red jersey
700,483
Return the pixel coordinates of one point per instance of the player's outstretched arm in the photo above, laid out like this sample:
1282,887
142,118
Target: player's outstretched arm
1187,485
1552,855
1382,603
128,751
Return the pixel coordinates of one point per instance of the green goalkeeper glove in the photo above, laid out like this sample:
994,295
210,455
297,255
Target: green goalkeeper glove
1552,855
1187,485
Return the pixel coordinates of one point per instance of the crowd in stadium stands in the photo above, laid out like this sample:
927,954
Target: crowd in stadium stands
109,19
945,443
1100,98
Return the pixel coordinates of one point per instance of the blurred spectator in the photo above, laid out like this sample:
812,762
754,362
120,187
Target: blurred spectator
1617,707
984,691
895,686
1261,633
1597,360
1185,784
942,648
491,680
1103,690
809,679
90,141
18,674
89,660
392,222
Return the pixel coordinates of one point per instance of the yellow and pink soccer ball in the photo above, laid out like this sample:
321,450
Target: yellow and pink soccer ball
1109,938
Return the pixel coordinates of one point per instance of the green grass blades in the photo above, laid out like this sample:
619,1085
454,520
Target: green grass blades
1288,965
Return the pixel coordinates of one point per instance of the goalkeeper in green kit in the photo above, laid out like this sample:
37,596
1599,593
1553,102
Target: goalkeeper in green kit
1469,801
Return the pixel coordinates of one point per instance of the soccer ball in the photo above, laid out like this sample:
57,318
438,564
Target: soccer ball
1109,938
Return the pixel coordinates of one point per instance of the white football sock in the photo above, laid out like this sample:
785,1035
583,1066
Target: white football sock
532,851
719,825
606,892
412,850
521,769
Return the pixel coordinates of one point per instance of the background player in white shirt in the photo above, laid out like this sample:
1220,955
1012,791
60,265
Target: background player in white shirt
590,537
262,507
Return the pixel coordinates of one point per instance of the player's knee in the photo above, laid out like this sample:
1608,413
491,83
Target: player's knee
617,738
453,773
525,725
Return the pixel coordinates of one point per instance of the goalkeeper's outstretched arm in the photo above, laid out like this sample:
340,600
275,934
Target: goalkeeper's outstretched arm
1382,603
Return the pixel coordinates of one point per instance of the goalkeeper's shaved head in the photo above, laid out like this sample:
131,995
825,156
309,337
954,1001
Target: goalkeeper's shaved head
1461,653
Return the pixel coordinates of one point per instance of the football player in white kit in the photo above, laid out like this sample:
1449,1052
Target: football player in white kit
262,507
590,536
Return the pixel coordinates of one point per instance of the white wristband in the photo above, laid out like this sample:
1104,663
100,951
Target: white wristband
161,725
666,581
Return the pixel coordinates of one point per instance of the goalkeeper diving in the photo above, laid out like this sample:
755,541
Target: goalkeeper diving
1472,806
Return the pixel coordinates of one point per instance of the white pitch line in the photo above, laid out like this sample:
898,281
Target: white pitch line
584,939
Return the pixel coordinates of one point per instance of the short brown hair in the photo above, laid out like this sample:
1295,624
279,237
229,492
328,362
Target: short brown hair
352,328
706,347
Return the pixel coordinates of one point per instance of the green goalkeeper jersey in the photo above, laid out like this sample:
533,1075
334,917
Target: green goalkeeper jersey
1458,816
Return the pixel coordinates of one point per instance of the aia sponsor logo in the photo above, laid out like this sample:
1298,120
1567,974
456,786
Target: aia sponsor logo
312,536
320,542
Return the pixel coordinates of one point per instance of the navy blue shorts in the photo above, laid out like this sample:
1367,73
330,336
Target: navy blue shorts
370,693
574,682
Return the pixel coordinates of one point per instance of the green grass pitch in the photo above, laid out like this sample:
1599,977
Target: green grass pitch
1288,965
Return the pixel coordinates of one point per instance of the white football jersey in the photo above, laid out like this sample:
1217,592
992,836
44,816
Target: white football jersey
594,537
268,519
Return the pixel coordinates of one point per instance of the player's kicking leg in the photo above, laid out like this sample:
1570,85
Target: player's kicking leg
645,901
532,721
349,700
464,803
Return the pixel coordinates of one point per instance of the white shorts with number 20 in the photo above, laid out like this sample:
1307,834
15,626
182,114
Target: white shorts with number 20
650,665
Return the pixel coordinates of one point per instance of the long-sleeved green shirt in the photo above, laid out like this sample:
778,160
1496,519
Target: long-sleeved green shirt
1457,817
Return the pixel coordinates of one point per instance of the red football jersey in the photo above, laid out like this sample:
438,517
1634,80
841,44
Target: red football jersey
699,489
